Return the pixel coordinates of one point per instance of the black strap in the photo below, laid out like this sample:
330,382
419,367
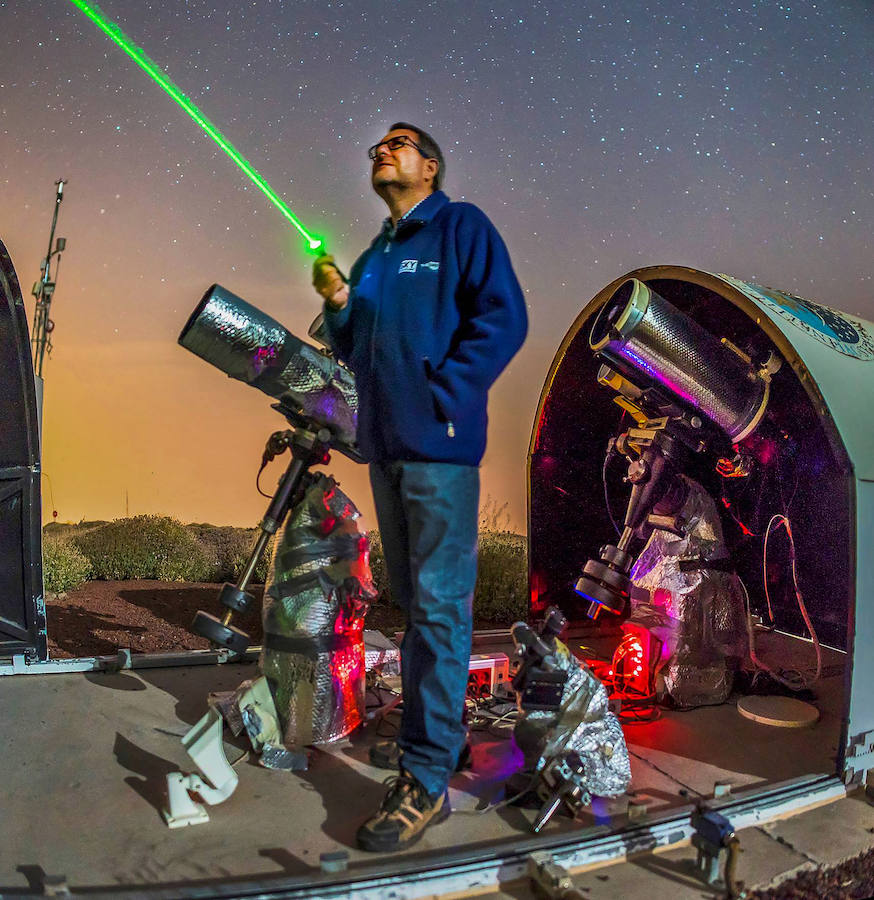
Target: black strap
268,379
311,646
301,583
336,547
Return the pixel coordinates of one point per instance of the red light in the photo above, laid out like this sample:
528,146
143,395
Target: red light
537,586
631,663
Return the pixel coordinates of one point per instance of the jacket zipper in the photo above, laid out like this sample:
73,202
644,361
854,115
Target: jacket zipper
450,428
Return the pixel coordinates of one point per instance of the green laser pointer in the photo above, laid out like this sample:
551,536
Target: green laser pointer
117,36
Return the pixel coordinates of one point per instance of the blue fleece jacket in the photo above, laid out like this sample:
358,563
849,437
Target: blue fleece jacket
434,315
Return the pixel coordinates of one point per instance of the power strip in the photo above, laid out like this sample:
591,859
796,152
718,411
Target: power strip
487,674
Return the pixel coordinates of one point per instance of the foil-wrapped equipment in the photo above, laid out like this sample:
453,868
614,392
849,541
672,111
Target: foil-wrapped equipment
687,596
584,726
252,347
315,600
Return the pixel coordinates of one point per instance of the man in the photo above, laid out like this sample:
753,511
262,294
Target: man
431,315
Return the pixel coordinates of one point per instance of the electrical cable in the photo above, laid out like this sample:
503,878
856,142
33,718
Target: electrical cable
628,715
607,459
801,682
258,482
784,520
495,723
51,493
377,690
797,470
507,801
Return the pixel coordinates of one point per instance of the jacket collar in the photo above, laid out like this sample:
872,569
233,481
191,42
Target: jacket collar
420,215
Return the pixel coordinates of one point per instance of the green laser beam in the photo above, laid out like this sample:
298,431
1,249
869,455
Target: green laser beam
117,36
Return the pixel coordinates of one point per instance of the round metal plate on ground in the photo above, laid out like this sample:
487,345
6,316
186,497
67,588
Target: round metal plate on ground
781,712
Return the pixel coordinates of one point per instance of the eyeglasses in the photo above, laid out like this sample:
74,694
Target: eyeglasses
395,143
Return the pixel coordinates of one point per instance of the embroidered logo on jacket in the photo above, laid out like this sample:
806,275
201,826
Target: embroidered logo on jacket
433,265
408,265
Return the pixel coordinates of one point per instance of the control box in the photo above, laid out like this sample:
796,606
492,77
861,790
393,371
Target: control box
488,675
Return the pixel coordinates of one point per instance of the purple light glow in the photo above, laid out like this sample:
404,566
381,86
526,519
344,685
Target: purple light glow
660,377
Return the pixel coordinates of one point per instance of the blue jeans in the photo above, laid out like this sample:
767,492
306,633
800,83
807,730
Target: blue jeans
428,514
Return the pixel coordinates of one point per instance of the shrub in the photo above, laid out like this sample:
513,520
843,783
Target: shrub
378,569
501,595
494,516
227,551
64,567
144,547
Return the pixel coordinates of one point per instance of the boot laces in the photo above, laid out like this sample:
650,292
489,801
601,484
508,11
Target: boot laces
404,789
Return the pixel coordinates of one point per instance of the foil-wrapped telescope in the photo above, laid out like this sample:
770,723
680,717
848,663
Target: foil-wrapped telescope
640,332
247,344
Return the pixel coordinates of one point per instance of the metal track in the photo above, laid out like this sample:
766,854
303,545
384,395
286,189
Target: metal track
124,659
486,869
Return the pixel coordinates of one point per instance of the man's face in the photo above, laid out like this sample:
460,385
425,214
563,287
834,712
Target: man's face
404,167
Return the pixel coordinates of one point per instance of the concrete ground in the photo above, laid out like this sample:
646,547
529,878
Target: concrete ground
84,759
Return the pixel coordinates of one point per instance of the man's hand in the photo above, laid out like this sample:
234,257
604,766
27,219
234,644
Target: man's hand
329,283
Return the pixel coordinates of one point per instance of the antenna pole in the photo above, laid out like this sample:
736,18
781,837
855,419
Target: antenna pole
45,288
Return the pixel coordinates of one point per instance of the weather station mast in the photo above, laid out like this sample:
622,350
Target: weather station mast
44,290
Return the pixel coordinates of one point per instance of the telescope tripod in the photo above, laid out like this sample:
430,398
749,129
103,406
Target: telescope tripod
308,449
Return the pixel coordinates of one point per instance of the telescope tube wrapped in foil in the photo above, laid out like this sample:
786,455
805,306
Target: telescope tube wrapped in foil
639,331
313,615
686,595
254,348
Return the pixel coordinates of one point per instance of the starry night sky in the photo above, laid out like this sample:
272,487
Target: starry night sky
597,136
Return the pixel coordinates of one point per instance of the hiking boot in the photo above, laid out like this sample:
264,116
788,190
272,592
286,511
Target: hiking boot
405,813
387,755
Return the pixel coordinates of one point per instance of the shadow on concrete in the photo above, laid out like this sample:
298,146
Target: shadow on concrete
115,681
681,871
190,686
344,810
288,862
151,769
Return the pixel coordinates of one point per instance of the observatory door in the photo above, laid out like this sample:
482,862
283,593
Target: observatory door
22,610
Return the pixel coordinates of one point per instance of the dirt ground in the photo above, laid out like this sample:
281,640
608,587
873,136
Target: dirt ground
851,880
101,617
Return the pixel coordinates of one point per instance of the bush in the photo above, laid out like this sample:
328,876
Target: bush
155,547
501,595
64,567
227,551
378,569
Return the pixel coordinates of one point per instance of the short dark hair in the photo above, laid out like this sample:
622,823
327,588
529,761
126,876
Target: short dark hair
429,147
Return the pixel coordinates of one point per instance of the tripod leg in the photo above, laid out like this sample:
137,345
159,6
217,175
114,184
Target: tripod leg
234,597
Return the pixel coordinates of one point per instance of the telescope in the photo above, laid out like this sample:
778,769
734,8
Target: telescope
314,391
315,394
689,394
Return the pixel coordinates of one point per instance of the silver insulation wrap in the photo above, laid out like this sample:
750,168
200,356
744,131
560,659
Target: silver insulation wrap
584,725
639,329
250,346
695,611
315,599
